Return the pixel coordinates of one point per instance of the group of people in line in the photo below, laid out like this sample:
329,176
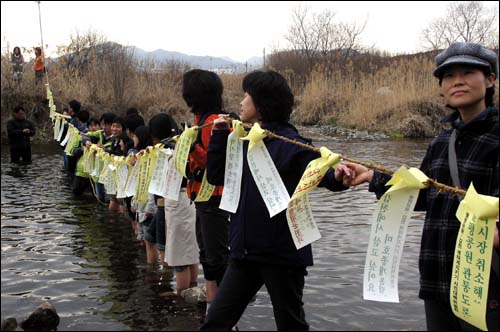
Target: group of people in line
242,251
17,62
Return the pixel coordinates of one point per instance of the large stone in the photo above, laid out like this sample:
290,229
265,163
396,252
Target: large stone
194,295
44,318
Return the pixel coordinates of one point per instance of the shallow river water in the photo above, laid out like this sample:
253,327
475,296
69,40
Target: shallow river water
84,260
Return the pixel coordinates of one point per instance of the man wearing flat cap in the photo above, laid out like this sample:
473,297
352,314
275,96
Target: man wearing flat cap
469,152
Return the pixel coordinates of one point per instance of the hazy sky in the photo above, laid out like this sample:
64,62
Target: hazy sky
238,30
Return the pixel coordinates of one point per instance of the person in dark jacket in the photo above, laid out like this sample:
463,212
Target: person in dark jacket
20,131
262,250
467,74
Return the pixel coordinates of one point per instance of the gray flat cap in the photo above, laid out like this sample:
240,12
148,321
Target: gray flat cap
466,54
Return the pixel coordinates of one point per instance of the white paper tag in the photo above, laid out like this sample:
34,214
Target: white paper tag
388,232
159,177
233,173
61,130
267,178
57,125
174,182
121,180
301,222
66,138
132,180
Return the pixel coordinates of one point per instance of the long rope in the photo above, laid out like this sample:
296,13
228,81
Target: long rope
433,183
94,191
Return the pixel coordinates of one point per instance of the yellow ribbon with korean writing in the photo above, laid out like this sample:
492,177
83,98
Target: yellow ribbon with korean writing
206,190
182,148
50,98
388,232
472,259
133,177
73,136
141,196
153,150
298,214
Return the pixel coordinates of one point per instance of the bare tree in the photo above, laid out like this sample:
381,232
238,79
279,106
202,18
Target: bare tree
346,37
324,29
80,51
467,21
317,37
302,36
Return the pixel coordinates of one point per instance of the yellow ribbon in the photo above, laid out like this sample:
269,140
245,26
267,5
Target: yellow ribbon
255,135
472,262
315,172
182,148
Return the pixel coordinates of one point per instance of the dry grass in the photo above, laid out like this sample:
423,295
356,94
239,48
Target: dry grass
380,100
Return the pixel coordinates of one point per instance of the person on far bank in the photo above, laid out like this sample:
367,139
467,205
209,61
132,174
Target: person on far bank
17,61
19,131
39,66
467,74
262,251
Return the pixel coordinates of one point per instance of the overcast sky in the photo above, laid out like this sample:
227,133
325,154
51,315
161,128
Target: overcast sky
238,30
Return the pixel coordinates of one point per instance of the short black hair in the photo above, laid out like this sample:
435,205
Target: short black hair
18,108
162,126
83,115
202,90
120,121
132,110
133,121
93,120
107,118
75,105
271,95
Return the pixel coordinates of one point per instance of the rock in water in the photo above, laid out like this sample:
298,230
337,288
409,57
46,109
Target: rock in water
44,318
9,324
194,295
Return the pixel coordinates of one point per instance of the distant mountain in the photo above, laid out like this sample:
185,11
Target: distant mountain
220,64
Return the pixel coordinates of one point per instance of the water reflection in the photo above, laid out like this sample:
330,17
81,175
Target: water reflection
86,262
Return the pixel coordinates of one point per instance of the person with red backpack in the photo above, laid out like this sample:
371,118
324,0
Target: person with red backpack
202,91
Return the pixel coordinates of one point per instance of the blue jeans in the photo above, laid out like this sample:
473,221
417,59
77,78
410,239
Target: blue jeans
100,191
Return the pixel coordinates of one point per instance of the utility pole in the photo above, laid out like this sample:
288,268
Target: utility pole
264,57
40,20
